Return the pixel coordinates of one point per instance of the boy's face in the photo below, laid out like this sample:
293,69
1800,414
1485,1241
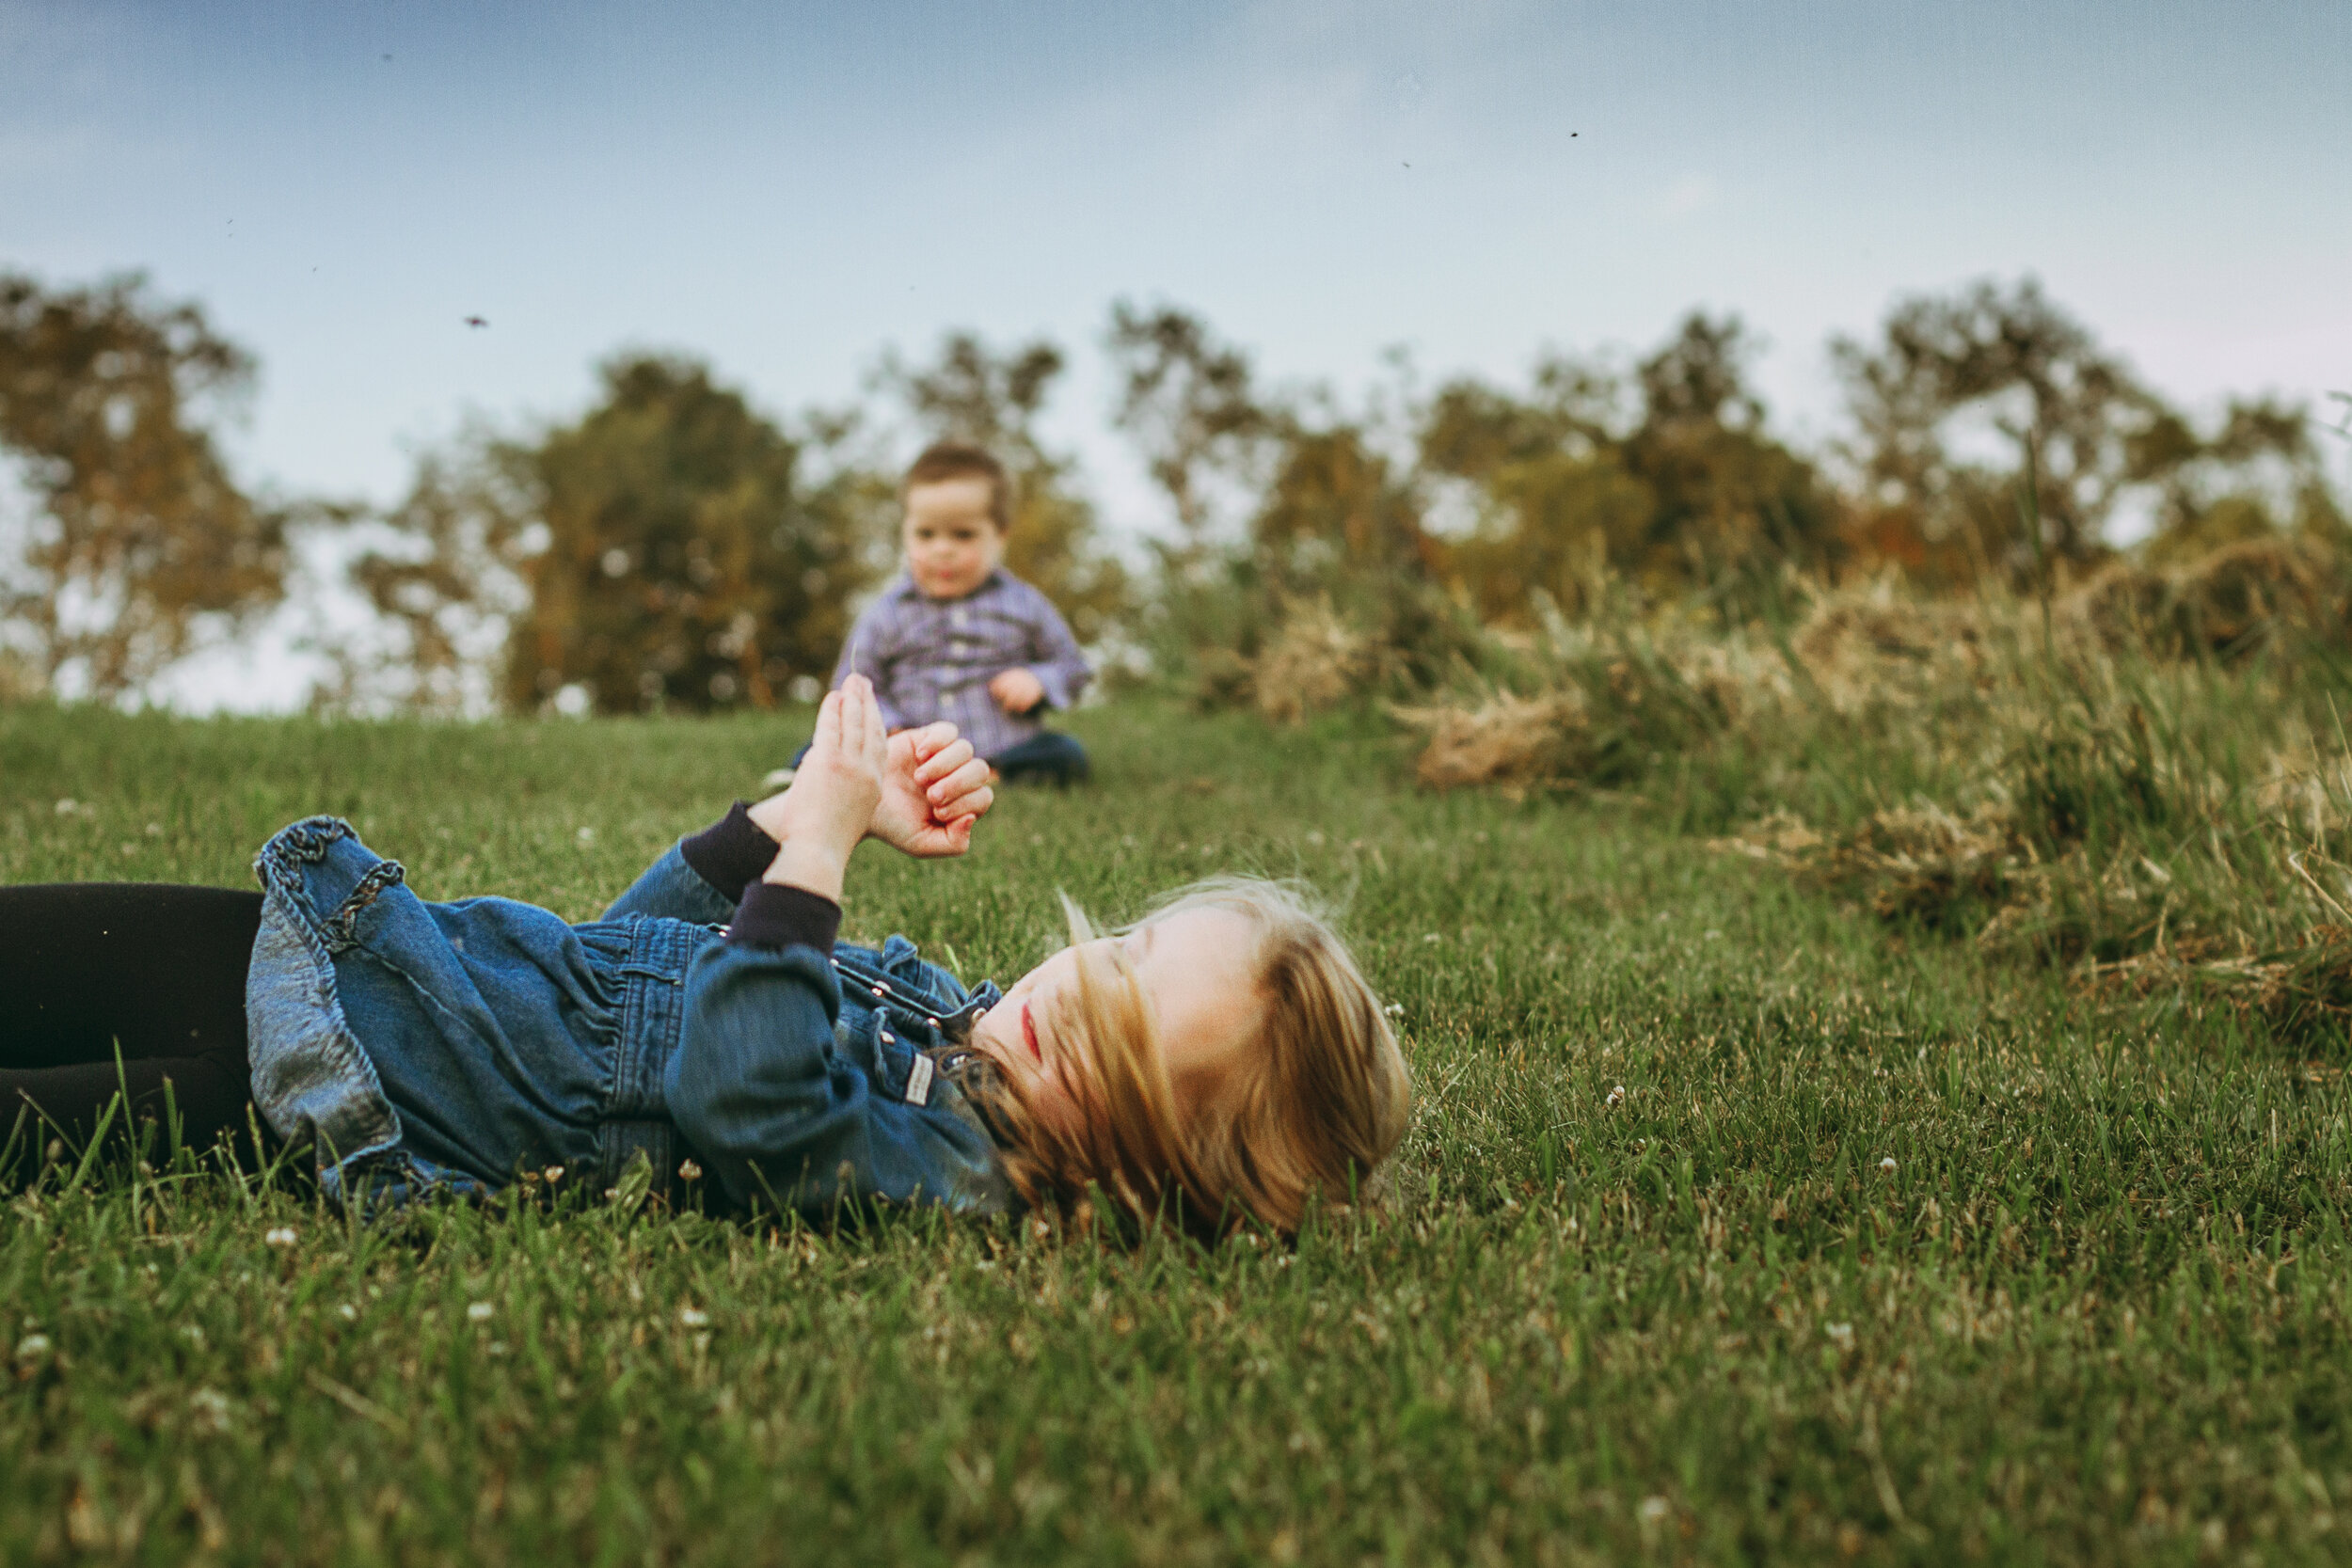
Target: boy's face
952,544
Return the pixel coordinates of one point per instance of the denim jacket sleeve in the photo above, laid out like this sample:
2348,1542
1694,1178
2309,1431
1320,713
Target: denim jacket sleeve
701,877
756,1085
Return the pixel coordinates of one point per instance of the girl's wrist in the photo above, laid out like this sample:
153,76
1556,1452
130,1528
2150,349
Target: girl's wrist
812,868
767,816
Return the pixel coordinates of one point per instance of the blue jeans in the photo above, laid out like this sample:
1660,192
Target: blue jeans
1047,757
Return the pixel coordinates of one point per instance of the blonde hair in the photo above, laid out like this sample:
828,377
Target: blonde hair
1317,1102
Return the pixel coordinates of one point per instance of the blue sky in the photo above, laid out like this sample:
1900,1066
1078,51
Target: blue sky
786,189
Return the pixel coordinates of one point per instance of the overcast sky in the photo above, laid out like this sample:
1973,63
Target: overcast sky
786,189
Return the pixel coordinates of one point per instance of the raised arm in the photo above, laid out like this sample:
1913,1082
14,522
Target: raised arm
755,1085
933,791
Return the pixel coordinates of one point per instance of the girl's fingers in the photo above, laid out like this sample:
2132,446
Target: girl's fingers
859,719
930,740
950,758
963,781
877,734
828,736
966,808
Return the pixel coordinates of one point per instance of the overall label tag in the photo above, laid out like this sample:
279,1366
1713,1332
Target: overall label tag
919,1081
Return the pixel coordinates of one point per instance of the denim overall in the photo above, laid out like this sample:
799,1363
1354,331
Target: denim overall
420,1048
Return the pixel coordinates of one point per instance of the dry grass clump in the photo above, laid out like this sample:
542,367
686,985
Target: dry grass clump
1514,743
2145,783
1223,677
1611,714
1872,650
2232,603
1315,661
1916,863
2122,853
1863,644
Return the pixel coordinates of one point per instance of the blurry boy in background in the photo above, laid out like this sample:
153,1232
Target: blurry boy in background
959,638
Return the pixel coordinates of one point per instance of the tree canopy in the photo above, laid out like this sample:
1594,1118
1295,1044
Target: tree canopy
136,537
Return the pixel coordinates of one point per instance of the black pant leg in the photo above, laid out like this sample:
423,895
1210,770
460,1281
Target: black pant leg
1049,757
149,969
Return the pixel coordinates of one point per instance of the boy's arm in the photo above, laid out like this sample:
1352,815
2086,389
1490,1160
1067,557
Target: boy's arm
1056,661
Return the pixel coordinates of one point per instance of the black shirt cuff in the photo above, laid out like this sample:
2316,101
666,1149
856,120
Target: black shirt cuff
774,915
730,854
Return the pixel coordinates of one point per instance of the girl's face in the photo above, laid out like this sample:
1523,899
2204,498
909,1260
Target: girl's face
1198,971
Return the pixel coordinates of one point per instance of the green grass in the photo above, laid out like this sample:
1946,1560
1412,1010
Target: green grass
2097,1311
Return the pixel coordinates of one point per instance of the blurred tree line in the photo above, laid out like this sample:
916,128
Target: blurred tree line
675,547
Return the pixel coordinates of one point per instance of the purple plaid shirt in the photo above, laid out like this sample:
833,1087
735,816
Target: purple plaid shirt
932,659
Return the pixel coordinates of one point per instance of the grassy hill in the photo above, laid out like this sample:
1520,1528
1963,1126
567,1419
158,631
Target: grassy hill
1736,1223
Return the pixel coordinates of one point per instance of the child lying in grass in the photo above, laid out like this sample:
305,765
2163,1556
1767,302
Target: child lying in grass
1223,1057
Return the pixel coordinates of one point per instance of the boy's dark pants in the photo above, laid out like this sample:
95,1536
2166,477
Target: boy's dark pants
1046,757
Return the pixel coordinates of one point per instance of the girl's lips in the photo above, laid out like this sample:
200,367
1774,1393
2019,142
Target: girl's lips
1028,1033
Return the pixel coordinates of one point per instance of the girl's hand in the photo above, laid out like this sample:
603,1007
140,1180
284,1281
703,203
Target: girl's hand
933,790
821,818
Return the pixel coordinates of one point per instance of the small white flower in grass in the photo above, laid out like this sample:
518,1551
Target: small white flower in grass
689,1171
694,1317
1841,1335
32,1348
1616,1096
1432,937
1887,1164
553,1173
479,1312
349,1314
68,807
1394,1009
586,835
282,1235
1653,1509
210,1409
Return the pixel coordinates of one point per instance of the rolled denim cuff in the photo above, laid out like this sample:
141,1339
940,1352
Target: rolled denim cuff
774,915
730,854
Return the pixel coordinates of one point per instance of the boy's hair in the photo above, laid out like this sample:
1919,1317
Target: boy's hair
946,460
1314,1108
